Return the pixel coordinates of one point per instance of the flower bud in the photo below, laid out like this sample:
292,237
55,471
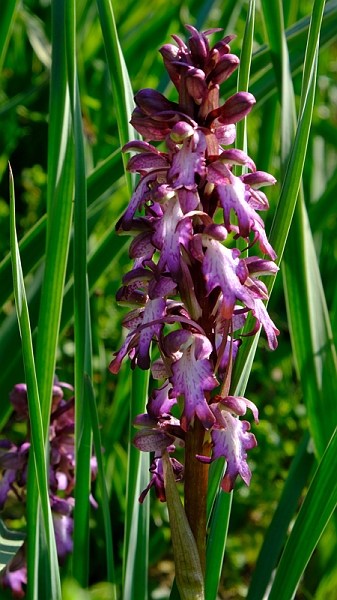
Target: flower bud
224,68
196,84
181,131
234,109
150,101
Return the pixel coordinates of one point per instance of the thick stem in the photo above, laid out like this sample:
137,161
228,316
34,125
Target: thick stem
196,481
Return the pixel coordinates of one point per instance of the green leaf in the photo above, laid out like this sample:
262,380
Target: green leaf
276,534
263,82
89,392
186,558
216,543
136,516
10,543
120,82
281,223
35,414
310,329
83,351
316,510
7,17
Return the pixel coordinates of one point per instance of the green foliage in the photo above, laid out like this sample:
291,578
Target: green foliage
65,103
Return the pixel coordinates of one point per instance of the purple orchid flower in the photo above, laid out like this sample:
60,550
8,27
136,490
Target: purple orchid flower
186,272
14,464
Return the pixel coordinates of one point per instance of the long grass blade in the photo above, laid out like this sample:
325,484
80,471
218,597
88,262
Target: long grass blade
316,510
281,223
121,87
135,564
59,202
37,433
102,484
216,543
276,534
7,17
83,352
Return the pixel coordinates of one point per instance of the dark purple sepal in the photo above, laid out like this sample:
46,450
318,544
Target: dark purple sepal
141,163
152,440
150,101
139,146
223,69
258,179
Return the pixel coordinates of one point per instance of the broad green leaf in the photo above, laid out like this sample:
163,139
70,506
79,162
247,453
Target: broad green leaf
316,510
186,558
38,457
276,534
310,328
10,543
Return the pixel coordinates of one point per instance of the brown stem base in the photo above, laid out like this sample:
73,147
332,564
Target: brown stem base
196,481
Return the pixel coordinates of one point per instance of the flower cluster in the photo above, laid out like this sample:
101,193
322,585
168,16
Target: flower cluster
14,465
185,214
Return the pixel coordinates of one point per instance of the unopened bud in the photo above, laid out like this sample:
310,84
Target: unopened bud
180,131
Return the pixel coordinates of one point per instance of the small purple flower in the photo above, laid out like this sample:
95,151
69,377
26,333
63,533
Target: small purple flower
14,464
15,574
231,438
157,480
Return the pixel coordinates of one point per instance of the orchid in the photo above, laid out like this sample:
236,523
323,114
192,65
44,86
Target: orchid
190,207
145,227
14,465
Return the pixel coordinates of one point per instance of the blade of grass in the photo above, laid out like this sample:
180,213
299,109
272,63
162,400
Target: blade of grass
121,87
281,224
59,203
311,334
36,426
134,561
244,73
32,247
10,543
134,564
83,358
276,534
216,543
102,484
316,510
7,17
